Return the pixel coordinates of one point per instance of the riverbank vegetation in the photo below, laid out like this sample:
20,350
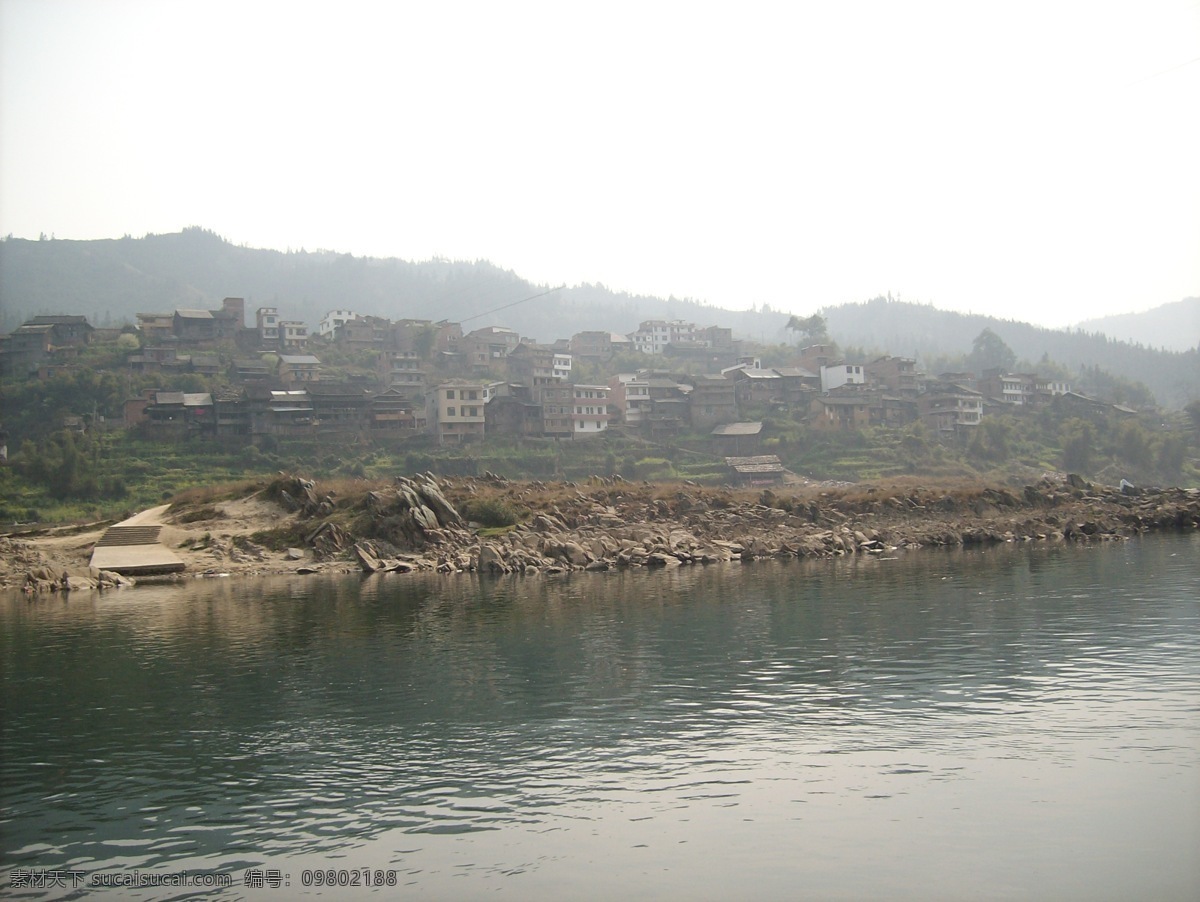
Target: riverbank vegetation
69,476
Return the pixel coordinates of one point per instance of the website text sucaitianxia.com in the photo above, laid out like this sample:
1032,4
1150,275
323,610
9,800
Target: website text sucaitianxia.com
65,878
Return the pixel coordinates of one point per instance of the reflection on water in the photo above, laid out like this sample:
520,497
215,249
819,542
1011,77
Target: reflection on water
1023,722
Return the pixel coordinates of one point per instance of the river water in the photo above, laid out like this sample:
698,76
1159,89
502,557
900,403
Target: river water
1017,723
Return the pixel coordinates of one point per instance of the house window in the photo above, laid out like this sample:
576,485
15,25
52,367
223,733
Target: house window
450,412
449,394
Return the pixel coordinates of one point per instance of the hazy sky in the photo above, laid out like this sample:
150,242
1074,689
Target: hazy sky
1031,160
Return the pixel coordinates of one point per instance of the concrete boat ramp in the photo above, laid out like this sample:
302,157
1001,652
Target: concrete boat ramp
132,548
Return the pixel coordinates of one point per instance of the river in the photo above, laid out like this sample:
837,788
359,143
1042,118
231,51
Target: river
1016,723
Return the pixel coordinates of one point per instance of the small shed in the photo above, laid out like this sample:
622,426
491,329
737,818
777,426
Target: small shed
765,469
737,438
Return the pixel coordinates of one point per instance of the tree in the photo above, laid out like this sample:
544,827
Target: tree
1193,411
424,340
1078,441
1171,455
812,328
65,478
1133,444
991,440
989,351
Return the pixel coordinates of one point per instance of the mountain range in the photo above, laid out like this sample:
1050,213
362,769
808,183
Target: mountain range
1172,327
111,280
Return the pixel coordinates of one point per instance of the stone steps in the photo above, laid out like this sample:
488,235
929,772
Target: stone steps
116,536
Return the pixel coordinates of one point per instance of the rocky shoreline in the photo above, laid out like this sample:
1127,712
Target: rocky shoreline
610,523
418,524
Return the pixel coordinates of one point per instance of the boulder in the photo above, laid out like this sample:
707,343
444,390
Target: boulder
425,518
106,579
681,539
442,509
575,553
328,538
491,560
367,556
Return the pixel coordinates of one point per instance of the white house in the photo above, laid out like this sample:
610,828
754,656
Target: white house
268,327
630,393
293,334
562,366
589,413
332,320
653,335
455,410
841,374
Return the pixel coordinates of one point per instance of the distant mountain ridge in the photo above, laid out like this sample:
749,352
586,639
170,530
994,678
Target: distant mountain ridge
924,332
1172,327
111,280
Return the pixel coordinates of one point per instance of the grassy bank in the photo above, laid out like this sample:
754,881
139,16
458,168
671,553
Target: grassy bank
70,478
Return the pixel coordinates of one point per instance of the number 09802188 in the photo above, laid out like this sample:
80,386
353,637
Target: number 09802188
348,877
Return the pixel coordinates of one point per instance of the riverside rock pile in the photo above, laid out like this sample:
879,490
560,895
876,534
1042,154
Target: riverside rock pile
29,569
413,515
417,524
610,523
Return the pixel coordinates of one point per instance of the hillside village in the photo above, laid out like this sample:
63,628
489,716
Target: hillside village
366,379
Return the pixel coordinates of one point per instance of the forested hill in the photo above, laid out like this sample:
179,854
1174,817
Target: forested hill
932,335
1172,327
110,281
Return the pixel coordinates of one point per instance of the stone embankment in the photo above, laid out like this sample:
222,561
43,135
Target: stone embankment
25,565
421,524
609,523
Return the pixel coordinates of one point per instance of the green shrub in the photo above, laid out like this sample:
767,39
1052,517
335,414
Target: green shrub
351,468
115,488
416,462
654,468
490,512
136,467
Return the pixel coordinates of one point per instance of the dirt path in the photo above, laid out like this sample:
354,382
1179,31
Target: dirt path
207,547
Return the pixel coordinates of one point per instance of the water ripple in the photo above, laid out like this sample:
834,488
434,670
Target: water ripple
464,731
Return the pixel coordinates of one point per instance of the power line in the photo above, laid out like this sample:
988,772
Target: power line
1164,71
513,304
